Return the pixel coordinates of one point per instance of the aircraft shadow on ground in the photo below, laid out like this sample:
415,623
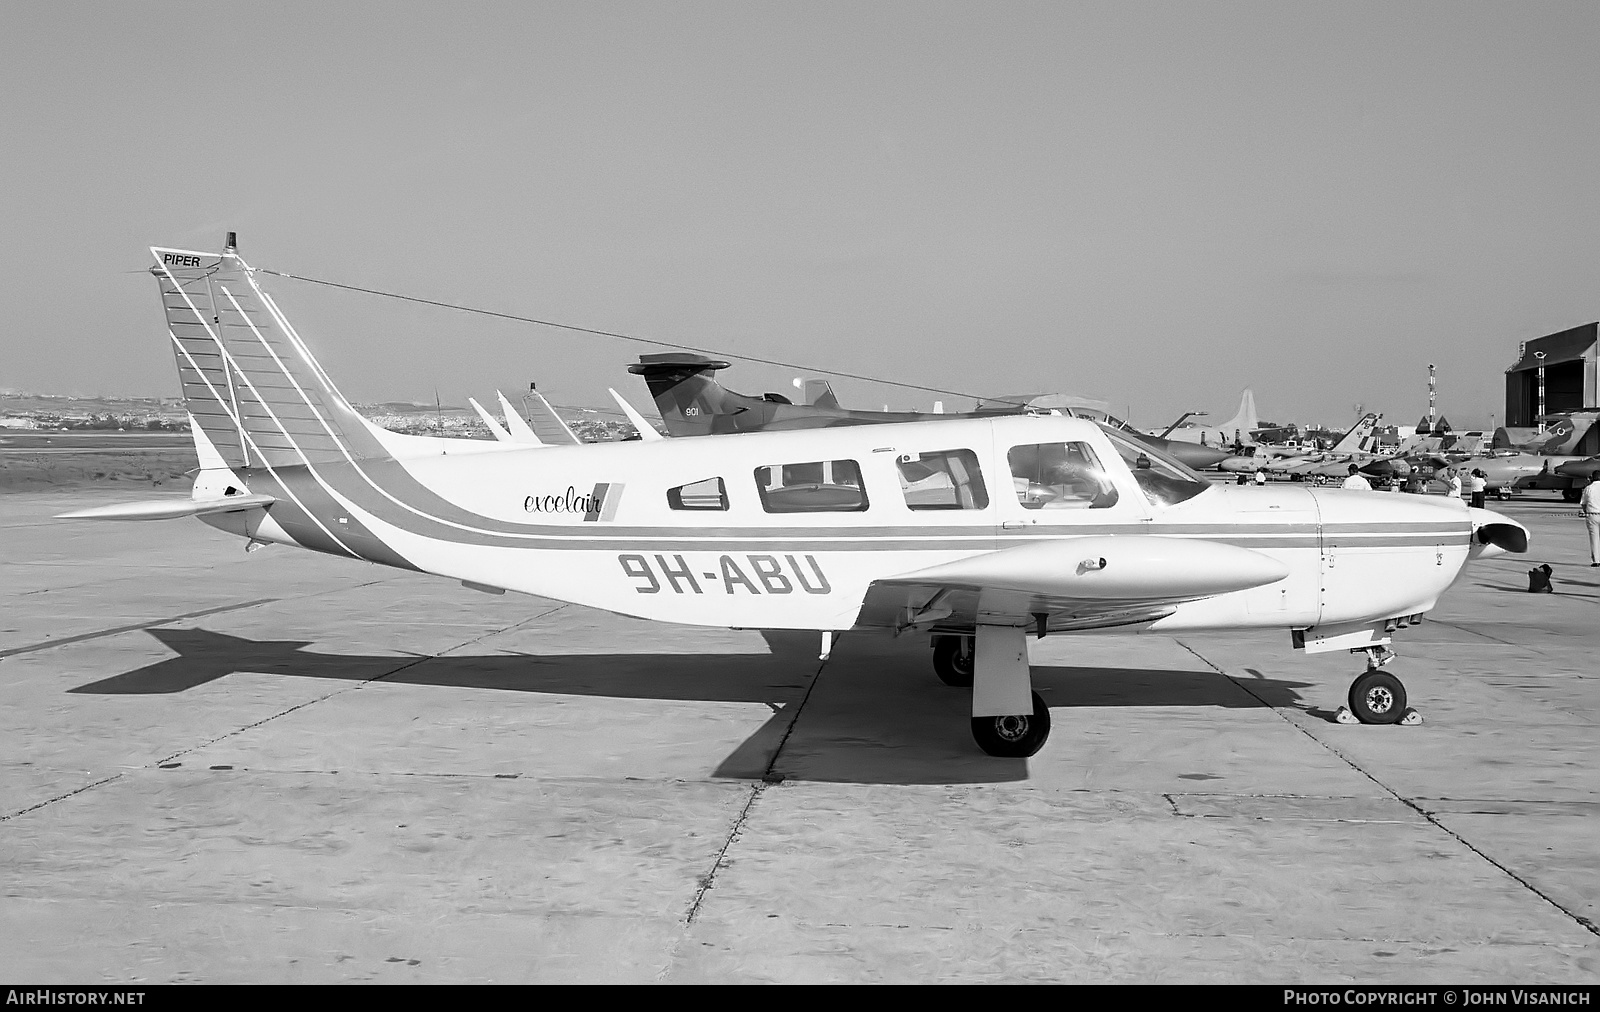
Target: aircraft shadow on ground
909,728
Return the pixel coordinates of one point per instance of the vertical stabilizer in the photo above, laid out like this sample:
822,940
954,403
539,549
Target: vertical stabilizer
248,380
495,428
1361,437
1245,422
641,425
520,433
547,425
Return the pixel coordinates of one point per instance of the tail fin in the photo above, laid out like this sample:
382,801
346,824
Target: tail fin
548,428
250,383
686,395
1246,421
1359,435
1566,432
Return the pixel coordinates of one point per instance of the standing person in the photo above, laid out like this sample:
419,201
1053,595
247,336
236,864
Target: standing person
1453,477
1589,506
1261,477
1356,481
1479,484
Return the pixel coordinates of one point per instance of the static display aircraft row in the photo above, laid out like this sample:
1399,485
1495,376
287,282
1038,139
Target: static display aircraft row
974,531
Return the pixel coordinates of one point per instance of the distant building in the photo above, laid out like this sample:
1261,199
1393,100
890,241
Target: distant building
18,423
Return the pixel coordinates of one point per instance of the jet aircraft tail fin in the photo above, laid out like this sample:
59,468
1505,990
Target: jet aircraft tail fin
1566,432
685,390
1362,435
250,383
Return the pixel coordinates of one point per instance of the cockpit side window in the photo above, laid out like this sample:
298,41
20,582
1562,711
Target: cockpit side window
821,486
942,480
1059,476
1164,481
710,494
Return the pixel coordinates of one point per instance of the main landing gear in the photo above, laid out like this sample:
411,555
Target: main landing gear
1009,720
1376,696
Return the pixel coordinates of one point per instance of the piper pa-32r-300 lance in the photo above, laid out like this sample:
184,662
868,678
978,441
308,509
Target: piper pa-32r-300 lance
976,532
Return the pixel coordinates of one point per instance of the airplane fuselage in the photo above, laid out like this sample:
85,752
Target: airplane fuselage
691,530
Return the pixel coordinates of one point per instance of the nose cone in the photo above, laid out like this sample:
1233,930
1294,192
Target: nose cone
1586,468
1494,534
1195,455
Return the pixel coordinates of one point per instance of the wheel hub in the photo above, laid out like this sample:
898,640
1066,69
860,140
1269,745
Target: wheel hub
1011,728
1379,699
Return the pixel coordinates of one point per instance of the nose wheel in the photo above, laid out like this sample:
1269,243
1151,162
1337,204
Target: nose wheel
953,659
1378,697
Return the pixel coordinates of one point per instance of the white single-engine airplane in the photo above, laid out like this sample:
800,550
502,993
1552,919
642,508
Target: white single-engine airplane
975,531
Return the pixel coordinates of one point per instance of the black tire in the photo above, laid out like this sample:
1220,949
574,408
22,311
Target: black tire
1377,697
1571,494
1013,737
952,660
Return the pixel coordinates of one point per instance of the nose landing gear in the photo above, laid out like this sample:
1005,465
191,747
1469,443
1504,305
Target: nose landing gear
1376,696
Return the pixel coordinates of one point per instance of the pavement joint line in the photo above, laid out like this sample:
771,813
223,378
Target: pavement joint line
32,647
421,659
756,790
1582,921
61,797
153,623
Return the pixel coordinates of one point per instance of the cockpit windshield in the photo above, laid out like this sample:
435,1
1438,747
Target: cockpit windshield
1164,481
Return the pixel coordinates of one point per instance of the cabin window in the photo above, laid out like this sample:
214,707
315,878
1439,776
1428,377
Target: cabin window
1163,480
1060,476
822,486
709,494
942,480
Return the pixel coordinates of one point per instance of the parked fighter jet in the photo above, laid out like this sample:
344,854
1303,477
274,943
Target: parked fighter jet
974,531
692,403
1539,467
1357,446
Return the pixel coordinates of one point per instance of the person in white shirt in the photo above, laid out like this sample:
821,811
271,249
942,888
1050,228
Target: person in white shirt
1356,481
1454,478
1261,476
1589,506
1476,485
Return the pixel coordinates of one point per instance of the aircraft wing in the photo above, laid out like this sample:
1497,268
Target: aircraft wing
1075,583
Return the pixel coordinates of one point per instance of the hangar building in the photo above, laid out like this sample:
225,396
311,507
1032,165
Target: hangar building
1569,375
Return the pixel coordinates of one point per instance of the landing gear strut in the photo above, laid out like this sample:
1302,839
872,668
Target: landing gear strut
1376,696
1009,719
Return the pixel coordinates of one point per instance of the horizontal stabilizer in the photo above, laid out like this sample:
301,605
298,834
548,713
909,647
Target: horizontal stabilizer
168,509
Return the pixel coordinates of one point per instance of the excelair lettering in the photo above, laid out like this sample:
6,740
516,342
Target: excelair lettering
180,260
744,574
567,502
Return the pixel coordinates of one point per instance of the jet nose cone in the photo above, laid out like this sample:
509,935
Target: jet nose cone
1494,534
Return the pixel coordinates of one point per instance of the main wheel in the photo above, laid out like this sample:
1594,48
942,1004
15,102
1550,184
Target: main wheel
1377,697
1014,737
1571,494
952,660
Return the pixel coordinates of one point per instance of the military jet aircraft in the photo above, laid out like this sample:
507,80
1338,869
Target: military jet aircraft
692,403
975,532
1539,465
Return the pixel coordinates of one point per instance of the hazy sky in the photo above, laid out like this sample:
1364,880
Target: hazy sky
1157,204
